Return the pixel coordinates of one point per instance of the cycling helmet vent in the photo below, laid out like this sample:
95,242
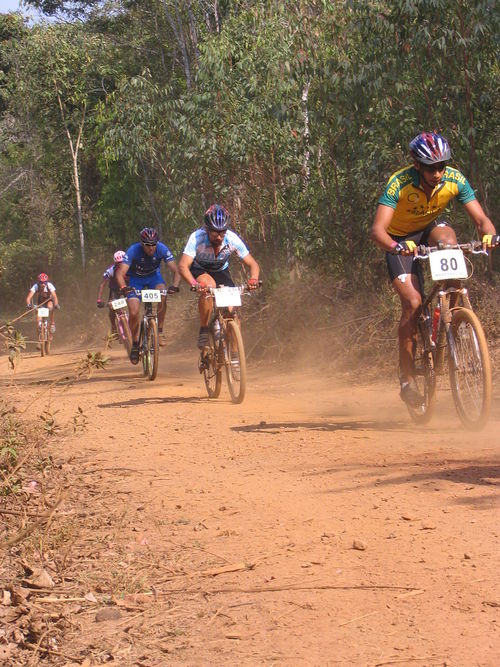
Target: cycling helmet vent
43,278
118,256
430,148
217,218
149,236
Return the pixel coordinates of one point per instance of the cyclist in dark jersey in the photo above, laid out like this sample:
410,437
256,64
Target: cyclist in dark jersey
109,278
407,216
141,265
205,261
45,295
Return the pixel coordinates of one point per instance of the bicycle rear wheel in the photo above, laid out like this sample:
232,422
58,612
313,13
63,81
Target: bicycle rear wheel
212,372
425,379
152,349
235,362
469,368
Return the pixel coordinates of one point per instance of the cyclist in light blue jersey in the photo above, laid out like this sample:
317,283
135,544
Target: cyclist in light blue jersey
205,262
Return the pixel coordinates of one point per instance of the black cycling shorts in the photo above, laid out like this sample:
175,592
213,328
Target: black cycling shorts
221,277
400,264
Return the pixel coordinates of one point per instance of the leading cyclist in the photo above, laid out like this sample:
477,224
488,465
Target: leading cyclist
407,216
141,265
46,296
205,262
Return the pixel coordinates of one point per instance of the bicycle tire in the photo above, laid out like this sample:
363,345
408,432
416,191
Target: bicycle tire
425,379
42,336
212,371
124,331
47,346
469,369
153,349
143,349
235,362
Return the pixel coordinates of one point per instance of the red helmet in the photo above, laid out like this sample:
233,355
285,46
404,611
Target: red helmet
43,278
149,236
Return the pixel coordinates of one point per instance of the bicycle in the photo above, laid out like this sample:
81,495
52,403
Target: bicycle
120,312
44,336
225,348
148,337
447,323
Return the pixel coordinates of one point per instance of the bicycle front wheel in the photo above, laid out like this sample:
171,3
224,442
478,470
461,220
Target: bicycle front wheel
469,368
212,372
235,362
43,337
425,379
152,349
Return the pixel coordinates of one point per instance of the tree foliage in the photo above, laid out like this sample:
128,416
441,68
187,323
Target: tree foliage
293,113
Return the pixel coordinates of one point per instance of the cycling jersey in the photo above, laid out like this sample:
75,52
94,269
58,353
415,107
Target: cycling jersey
413,211
143,265
44,291
109,275
201,250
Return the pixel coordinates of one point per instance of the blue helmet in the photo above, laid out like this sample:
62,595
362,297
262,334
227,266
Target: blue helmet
430,148
217,218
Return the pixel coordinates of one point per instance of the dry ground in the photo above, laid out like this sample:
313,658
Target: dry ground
197,532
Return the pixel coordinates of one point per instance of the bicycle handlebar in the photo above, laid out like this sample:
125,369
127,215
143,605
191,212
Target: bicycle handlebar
473,247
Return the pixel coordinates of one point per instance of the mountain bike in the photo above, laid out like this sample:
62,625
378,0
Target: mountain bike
120,313
225,348
44,336
148,337
449,328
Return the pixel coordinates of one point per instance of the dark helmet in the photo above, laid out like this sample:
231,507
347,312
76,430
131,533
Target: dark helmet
217,218
430,148
149,236
43,278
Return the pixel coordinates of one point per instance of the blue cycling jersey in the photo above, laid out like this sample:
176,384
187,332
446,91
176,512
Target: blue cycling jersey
143,265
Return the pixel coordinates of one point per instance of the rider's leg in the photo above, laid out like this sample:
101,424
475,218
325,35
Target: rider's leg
406,286
133,317
112,320
205,307
52,326
441,232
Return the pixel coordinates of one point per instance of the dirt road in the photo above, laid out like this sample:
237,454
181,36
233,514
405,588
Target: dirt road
311,525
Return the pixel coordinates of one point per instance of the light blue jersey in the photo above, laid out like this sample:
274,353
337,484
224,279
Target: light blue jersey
201,250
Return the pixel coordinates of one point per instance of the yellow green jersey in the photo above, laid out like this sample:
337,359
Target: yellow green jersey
413,211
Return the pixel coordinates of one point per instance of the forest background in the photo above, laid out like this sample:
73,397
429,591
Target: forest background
119,114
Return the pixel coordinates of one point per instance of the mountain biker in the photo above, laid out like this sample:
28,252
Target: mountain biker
46,296
205,262
141,265
109,278
408,214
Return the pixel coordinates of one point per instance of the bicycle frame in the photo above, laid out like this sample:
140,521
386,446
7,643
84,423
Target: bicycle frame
148,335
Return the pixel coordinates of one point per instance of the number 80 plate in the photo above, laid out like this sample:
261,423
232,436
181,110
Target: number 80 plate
448,264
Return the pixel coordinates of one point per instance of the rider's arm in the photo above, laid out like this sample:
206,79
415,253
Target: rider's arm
479,217
379,234
120,273
176,276
184,269
101,288
29,297
250,262
53,295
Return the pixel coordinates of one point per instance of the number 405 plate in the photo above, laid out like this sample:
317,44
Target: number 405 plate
448,264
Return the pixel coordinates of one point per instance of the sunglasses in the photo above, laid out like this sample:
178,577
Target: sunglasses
439,166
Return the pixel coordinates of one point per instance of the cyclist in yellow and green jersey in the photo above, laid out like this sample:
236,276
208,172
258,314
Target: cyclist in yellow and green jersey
408,215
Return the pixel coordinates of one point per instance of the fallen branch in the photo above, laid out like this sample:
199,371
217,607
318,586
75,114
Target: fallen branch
27,531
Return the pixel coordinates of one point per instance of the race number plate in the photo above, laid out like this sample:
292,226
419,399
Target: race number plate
448,264
43,312
119,303
227,296
150,295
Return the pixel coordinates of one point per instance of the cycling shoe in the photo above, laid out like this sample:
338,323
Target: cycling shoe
410,395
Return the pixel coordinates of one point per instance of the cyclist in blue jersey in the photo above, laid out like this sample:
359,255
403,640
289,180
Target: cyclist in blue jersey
205,262
141,265
408,215
109,278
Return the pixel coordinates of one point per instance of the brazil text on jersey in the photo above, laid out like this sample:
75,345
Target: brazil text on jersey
413,211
